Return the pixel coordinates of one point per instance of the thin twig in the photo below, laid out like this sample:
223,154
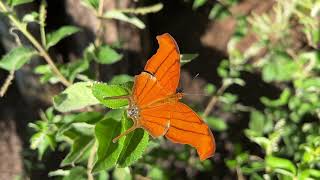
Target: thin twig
239,173
6,83
42,12
214,100
100,28
91,161
41,50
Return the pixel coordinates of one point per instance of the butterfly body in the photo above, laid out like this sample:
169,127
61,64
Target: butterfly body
154,102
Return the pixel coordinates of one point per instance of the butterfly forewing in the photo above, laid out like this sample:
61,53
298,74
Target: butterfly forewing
165,64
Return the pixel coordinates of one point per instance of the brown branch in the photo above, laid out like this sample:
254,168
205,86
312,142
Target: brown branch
43,53
91,161
6,83
214,100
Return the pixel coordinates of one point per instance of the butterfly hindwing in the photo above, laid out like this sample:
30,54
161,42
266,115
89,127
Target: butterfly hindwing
185,126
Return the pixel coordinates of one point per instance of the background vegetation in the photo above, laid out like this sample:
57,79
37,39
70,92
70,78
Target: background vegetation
255,74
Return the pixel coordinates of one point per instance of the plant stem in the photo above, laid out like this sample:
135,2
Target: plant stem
214,100
6,83
99,27
42,19
42,52
91,161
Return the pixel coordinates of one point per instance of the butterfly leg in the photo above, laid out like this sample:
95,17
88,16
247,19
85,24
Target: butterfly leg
132,128
166,128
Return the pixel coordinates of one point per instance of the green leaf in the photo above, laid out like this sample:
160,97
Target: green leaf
64,31
134,146
80,145
108,152
42,139
280,163
75,97
88,117
228,98
218,12
41,142
122,174
198,3
13,3
280,67
31,17
210,88
59,172
16,58
186,58
257,121
79,173
143,10
216,123
74,68
102,90
157,173
121,78
283,99
309,173
93,4
107,55
114,14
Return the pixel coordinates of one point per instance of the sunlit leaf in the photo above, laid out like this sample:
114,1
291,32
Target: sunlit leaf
280,68
283,99
78,172
31,17
43,138
75,97
13,3
114,14
107,55
186,58
120,79
102,90
93,4
122,174
198,3
280,163
16,58
54,37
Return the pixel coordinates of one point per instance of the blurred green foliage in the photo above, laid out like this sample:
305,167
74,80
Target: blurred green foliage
285,129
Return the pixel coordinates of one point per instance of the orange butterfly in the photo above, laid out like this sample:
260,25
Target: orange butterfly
154,103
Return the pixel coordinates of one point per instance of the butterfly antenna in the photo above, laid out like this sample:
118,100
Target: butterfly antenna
125,133
196,94
195,76
116,97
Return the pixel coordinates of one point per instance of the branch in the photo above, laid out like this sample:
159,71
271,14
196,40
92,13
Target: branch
214,99
42,52
91,161
6,84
